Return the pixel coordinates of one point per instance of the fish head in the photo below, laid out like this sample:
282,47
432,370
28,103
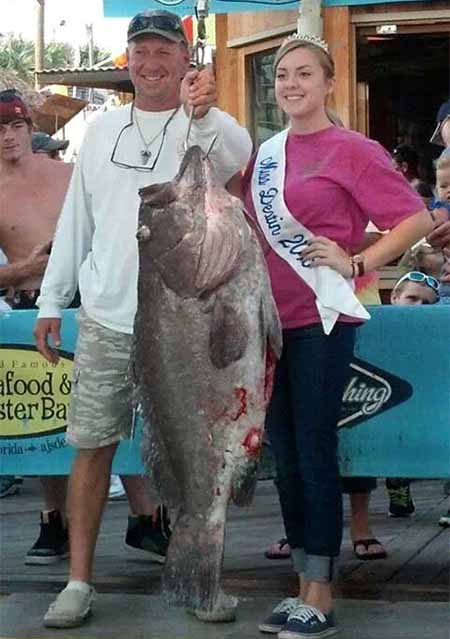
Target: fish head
173,213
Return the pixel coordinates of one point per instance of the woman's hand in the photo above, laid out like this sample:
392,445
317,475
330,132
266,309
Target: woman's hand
324,252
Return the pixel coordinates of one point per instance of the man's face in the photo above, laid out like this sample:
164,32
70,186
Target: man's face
156,66
15,140
414,294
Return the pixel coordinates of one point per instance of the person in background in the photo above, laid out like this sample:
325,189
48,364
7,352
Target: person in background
440,237
406,161
443,199
415,289
425,258
32,192
441,134
31,195
44,143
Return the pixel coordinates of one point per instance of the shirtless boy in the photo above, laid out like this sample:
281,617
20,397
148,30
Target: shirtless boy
32,192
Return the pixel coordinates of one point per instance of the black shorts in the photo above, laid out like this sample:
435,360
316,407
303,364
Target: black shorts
25,300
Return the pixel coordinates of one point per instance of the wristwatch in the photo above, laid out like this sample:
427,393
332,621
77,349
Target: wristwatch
358,265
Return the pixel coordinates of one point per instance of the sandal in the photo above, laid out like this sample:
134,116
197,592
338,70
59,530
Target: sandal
279,550
368,556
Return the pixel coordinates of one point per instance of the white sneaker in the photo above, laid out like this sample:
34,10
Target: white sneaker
116,489
71,607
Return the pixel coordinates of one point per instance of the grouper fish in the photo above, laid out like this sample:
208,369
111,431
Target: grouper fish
207,335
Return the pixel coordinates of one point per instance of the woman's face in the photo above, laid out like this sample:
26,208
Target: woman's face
300,84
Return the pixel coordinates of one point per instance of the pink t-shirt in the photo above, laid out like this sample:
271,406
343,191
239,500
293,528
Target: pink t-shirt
336,181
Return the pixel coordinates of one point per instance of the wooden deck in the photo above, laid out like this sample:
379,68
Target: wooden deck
417,567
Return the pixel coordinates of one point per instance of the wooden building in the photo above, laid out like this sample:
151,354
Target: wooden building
392,67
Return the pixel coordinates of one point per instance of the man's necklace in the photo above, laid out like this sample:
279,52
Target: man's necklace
146,154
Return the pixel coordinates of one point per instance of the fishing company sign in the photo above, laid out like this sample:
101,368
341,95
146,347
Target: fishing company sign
394,421
370,392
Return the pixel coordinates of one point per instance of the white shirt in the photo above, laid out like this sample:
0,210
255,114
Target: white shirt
95,244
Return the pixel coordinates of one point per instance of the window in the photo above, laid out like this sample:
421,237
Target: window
266,118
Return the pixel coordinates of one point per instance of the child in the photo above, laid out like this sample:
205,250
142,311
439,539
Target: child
443,197
413,289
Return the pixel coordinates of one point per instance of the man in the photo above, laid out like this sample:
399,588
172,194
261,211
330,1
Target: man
123,150
44,143
441,134
406,161
32,191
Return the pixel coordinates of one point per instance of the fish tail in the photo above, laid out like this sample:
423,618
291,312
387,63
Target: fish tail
194,561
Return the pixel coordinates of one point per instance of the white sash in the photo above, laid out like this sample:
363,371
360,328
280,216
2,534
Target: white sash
287,236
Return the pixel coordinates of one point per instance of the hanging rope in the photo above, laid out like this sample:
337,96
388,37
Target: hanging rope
198,53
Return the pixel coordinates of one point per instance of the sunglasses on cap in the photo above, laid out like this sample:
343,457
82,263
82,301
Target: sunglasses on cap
161,22
419,278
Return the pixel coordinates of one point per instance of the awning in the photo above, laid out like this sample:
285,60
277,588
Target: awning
128,8
113,78
55,112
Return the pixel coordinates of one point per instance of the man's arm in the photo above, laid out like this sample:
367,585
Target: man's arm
17,272
71,244
232,146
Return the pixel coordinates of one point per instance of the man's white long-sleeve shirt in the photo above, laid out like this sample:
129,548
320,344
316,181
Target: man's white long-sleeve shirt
95,246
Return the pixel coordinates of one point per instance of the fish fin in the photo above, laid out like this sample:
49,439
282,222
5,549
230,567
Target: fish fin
228,336
244,481
194,561
271,323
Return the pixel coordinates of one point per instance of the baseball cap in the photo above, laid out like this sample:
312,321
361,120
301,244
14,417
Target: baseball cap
44,143
442,115
157,22
13,107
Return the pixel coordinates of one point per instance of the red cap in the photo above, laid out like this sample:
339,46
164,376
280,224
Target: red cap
12,107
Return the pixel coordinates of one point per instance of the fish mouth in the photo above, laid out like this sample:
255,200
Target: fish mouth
192,168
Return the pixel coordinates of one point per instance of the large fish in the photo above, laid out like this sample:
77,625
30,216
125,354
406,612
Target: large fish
207,336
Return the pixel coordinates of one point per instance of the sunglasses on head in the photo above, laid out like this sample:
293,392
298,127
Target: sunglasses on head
161,22
419,278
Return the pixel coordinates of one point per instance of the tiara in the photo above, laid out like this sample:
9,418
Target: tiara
304,37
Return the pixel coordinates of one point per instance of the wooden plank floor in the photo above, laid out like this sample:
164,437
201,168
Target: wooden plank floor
417,567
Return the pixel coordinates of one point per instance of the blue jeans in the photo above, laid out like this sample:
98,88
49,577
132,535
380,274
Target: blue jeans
302,418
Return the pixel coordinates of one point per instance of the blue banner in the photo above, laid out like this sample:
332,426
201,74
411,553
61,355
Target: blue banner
128,8
395,417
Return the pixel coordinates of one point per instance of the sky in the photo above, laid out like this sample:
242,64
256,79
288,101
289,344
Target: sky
19,16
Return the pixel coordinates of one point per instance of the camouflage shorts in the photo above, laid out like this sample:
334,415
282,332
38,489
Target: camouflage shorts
100,410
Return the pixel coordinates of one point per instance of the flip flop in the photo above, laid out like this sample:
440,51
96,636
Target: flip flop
368,556
279,550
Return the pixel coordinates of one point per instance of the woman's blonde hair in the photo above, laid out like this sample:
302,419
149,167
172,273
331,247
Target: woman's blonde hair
324,58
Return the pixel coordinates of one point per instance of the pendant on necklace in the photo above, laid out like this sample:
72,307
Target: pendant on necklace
146,155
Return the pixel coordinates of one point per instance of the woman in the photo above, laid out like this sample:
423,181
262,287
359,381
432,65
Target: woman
313,190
